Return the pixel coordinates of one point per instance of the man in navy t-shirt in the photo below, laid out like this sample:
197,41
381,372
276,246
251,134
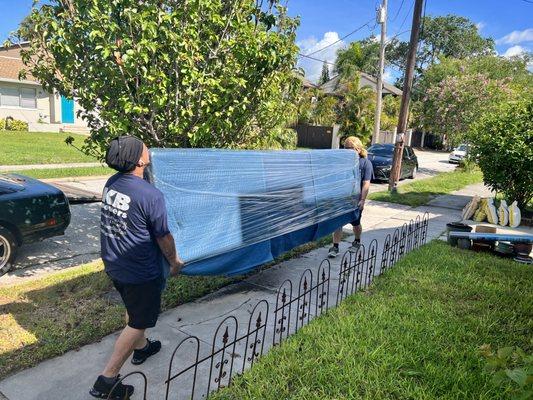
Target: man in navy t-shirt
367,174
134,238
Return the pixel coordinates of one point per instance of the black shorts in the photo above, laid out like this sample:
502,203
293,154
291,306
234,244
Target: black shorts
357,222
142,301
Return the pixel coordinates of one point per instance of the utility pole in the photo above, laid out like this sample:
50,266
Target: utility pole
381,19
406,96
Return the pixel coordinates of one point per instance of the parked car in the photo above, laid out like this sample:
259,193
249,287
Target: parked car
458,154
381,157
30,210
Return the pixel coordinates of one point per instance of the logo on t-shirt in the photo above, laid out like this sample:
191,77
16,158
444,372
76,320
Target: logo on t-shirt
114,212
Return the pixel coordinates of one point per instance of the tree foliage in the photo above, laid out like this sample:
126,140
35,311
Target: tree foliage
324,75
202,73
356,110
503,144
450,36
359,56
458,92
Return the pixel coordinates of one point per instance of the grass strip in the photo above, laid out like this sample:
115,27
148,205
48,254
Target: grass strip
20,148
65,172
415,334
420,192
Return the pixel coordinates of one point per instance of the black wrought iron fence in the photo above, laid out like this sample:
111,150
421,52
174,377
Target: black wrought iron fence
231,352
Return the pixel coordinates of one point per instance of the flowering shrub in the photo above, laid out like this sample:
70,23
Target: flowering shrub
451,107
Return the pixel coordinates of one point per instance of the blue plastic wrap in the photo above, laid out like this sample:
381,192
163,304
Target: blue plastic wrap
230,211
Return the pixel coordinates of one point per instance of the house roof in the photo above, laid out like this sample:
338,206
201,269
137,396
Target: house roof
334,85
11,64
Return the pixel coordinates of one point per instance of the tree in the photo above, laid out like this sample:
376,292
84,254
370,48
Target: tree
443,36
208,73
356,110
503,144
359,56
450,108
324,76
457,92
515,69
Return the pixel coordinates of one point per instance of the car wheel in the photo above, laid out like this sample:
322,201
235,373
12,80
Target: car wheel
8,247
413,173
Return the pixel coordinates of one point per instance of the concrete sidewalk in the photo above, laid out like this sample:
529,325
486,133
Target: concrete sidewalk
75,372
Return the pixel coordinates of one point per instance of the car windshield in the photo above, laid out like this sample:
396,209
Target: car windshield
381,150
461,147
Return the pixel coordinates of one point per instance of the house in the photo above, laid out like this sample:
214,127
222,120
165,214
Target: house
334,86
26,100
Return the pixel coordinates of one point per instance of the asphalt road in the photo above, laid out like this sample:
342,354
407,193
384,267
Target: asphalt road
80,244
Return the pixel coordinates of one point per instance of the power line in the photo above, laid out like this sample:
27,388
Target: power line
397,12
315,59
342,38
405,18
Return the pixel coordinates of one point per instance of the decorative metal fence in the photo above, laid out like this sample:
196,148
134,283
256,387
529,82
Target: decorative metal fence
231,351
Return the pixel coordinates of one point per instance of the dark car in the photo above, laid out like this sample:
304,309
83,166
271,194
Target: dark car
381,157
30,210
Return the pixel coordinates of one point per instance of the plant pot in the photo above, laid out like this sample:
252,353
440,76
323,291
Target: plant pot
456,227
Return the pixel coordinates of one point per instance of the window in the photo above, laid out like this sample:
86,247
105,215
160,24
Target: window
10,97
18,97
28,99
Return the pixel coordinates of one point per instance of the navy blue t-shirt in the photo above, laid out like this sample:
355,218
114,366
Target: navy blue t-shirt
133,216
366,170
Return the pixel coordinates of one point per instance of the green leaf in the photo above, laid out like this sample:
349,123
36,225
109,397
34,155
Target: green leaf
517,375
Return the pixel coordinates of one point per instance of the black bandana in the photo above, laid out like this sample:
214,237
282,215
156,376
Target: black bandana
124,153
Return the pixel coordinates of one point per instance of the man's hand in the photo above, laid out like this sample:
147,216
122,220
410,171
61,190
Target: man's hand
176,267
361,204
168,247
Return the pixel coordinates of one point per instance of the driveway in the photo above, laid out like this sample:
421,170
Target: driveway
80,244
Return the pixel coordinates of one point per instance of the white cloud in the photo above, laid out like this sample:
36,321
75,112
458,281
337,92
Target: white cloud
514,51
309,45
480,25
387,76
516,37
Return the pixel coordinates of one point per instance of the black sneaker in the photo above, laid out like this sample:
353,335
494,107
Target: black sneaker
333,251
102,390
356,245
140,356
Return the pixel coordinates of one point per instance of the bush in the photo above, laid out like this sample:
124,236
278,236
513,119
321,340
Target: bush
11,124
2,124
501,142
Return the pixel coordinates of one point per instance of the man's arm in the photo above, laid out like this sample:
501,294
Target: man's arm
364,193
168,247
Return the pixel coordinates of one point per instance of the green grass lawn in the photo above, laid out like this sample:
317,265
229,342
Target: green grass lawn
66,172
419,192
415,334
20,148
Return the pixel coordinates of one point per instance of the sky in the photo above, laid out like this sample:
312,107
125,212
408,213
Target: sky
323,22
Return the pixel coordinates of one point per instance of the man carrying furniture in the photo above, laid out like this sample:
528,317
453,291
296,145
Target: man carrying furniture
367,173
134,239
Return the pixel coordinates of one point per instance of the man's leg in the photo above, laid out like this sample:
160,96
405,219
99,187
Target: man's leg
357,231
337,237
129,340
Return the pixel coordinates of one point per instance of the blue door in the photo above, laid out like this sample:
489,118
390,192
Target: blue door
67,110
